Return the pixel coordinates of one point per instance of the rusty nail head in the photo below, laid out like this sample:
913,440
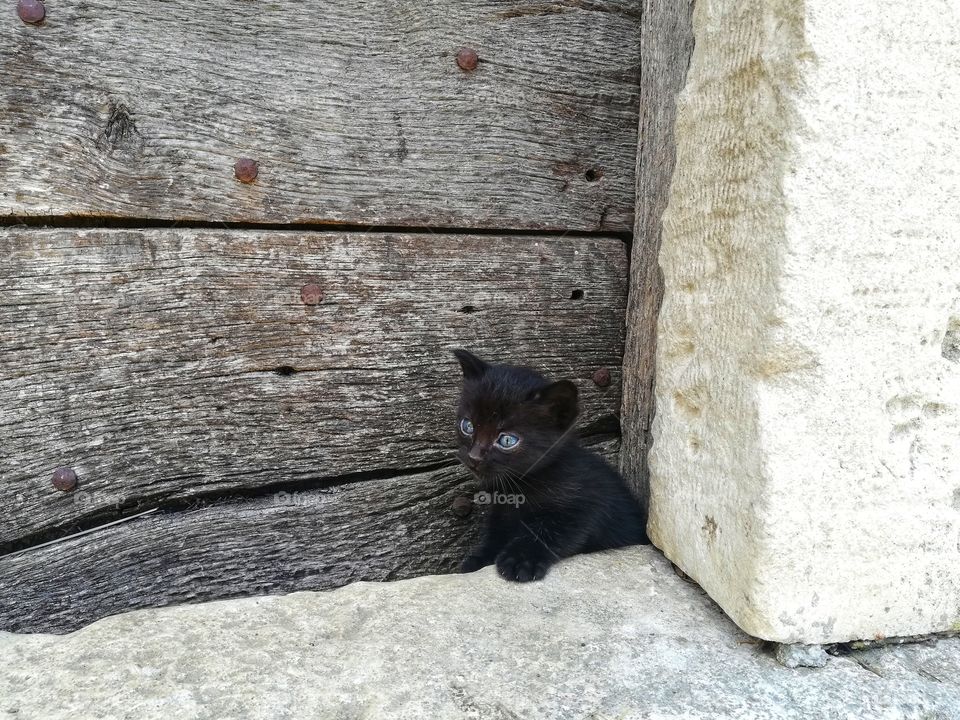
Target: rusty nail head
467,58
311,294
246,170
64,479
31,11
601,377
461,506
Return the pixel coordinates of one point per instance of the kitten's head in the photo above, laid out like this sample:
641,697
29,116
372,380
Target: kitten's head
509,419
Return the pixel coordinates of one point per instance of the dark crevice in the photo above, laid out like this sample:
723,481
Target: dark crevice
601,430
75,222
576,295
605,427
212,497
843,649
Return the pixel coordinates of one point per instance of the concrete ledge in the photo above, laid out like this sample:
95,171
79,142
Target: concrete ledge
614,635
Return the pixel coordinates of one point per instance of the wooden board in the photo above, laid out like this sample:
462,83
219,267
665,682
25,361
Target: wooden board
373,530
666,47
356,112
285,541
170,365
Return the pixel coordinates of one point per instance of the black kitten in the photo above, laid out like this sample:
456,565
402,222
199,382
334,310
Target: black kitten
549,498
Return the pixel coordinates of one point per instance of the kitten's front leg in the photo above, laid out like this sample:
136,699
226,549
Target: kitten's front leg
495,536
523,561
481,556
540,541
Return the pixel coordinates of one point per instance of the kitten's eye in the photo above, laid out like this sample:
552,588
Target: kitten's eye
466,427
507,441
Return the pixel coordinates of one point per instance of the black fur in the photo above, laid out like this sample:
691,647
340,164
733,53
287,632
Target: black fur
572,501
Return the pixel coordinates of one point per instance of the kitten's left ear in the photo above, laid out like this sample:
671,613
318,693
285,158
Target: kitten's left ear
561,399
472,366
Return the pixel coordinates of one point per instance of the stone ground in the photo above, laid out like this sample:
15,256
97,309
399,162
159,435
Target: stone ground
614,635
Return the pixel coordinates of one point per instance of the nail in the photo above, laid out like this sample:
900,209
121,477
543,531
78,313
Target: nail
461,506
246,170
311,294
64,479
31,11
601,378
467,59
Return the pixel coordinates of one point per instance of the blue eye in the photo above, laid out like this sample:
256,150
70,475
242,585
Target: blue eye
507,441
466,427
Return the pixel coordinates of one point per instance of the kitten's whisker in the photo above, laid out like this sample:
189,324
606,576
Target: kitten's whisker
521,485
524,484
538,489
573,426
519,489
507,485
540,540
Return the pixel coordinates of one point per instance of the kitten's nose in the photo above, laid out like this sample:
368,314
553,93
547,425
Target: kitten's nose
475,455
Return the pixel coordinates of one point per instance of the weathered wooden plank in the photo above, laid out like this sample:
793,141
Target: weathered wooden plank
311,540
165,365
666,44
356,112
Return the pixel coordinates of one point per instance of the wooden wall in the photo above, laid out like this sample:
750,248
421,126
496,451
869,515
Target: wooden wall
666,45
254,379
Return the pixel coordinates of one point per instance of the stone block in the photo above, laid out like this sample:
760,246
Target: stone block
805,467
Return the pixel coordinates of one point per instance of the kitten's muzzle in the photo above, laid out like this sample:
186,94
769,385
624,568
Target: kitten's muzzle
474,456
473,462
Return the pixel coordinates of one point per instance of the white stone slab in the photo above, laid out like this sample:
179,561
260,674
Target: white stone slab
806,461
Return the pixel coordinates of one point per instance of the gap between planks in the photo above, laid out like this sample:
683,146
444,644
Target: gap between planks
70,222
97,521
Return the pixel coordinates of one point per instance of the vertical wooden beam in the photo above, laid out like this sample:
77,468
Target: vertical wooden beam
666,44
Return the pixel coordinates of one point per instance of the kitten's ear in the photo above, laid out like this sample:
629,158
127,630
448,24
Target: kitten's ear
473,367
561,399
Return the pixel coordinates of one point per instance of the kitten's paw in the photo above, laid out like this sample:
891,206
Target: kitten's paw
473,562
521,568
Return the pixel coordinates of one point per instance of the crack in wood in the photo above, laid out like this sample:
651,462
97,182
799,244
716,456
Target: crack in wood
98,222
164,504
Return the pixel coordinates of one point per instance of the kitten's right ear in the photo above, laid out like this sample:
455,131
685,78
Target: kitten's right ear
473,367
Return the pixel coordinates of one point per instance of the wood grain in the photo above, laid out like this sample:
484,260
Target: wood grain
285,541
666,44
355,111
375,530
170,365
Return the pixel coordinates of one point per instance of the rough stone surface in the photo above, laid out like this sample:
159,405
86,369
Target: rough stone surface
614,635
805,464
799,655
